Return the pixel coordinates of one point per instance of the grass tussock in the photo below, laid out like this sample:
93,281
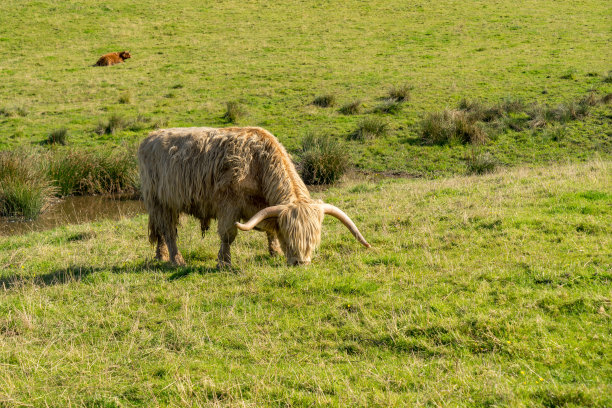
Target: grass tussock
570,74
370,128
481,163
80,172
13,111
30,178
24,188
389,106
608,78
125,99
323,159
451,126
234,111
400,93
325,101
112,125
57,136
607,98
351,108
474,121
545,115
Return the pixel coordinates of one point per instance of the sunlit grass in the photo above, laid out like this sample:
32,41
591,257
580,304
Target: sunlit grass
496,284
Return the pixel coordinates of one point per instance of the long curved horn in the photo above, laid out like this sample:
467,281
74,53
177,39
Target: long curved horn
267,212
339,214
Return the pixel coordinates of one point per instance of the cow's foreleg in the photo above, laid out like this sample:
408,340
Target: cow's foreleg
273,245
227,232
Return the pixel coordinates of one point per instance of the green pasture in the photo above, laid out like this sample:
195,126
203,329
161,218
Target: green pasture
481,291
191,57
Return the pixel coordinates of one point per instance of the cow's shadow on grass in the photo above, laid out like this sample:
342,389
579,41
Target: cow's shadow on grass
76,273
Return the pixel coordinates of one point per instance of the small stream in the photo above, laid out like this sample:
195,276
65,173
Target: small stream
74,210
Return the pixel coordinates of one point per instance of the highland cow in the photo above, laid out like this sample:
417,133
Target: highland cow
230,174
113,58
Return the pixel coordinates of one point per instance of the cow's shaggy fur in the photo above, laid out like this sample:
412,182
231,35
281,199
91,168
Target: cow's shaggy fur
229,174
113,58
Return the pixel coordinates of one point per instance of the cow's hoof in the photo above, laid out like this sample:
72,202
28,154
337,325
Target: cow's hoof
178,261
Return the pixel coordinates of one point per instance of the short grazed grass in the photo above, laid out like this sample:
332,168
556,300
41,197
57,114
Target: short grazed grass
185,72
478,291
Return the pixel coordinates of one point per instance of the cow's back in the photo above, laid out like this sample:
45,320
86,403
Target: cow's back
183,166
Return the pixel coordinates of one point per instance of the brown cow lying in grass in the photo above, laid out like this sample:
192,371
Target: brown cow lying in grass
230,174
113,58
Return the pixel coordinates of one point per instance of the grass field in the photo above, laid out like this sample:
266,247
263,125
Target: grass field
479,291
190,59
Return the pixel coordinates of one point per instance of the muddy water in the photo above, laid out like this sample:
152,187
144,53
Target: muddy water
74,210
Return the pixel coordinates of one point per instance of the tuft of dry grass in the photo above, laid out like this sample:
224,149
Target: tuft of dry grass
323,159
112,125
126,98
351,108
390,106
370,128
400,93
481,163
451,126
234,111
24,189
325,101
58,136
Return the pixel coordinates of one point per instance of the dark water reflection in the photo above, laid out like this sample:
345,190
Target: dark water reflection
75,210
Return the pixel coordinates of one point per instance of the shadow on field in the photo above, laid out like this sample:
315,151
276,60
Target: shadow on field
77,273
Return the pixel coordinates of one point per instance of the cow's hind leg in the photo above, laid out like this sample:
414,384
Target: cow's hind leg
273,245
156,238
162,225
227,232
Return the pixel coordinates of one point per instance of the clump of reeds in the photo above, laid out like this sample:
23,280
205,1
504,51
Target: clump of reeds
125,98
13,111
234,111
81,172
57,136
391,106
451,126
481,163
112,125
351,108
400,93
24,189
370,128
323,159
325,101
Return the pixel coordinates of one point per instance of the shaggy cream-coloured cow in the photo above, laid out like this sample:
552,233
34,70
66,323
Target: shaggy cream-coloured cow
230,174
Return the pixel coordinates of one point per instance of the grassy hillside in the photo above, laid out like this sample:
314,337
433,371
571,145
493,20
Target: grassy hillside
478,291
190,58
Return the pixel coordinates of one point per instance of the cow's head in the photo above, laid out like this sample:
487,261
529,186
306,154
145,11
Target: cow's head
298,227
125,55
